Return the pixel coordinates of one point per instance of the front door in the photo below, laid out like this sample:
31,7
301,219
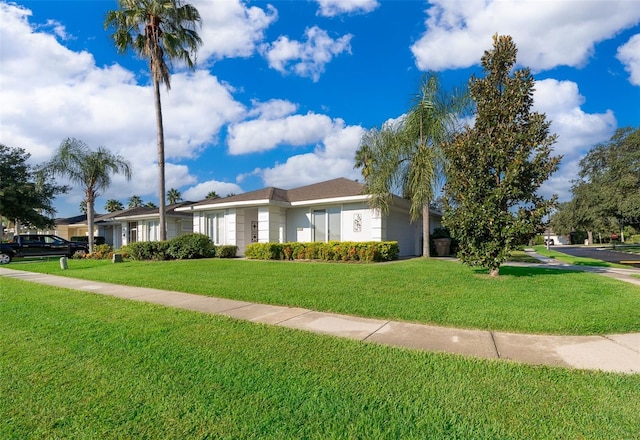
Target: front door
327,224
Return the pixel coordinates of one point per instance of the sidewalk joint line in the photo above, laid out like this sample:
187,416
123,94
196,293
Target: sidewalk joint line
495,346
635,350
375,331
293,317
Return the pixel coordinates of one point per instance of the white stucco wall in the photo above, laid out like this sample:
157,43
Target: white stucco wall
407,234
298,225
366,217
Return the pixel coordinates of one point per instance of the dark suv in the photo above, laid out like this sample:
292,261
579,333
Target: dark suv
39,245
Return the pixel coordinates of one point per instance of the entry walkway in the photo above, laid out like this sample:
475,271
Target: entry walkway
613,353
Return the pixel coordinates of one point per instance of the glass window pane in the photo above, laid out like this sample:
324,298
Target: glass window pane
220,231
319,225
334,224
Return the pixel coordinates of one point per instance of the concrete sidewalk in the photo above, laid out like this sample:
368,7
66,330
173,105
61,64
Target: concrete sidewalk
614,353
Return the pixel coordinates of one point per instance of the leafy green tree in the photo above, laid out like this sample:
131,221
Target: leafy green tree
91,169
26,192
608,184
134,202
161,31
406,155
113,205
495,168
174,196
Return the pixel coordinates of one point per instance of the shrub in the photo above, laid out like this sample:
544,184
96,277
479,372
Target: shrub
101,252
538,240
226,251
147,250
191,246
331,251
389,251
264,251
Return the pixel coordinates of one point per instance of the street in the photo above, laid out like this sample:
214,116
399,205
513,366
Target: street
604,254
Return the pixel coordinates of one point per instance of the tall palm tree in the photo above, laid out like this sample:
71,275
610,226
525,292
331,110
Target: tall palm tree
174,196
212,195
113,205
134,201
90,169
161,31
406,155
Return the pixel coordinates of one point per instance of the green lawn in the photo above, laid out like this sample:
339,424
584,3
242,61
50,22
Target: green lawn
78,365
522,299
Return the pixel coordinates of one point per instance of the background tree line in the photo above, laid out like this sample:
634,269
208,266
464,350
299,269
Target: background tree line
606,194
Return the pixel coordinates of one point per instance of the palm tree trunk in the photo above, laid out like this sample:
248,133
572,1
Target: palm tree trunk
426,226
161,183
90,216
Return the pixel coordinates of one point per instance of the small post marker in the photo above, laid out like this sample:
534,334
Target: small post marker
64,264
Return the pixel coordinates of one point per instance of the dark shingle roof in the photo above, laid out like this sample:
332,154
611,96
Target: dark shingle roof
340,187
72,220
144,210
330,189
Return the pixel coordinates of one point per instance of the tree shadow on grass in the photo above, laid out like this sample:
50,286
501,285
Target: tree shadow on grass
525,271
592,264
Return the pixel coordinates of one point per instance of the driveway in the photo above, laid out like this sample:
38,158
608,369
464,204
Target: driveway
604,254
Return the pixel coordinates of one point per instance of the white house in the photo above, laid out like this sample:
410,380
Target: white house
142,224
128,225
333,210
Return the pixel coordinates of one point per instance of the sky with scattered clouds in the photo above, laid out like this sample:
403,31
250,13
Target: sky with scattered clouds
284,90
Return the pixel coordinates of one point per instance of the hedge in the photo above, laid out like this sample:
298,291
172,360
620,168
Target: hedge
188,246
332,251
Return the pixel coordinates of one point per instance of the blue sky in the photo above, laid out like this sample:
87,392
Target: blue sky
284,90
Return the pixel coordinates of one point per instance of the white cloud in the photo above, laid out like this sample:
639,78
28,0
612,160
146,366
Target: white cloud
272,109
200,191
265,134
231,29
577,130
334,158
548,34
58,29
103,106
331,8
629,55
308,58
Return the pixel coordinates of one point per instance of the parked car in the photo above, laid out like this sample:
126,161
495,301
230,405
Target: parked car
549,241
39,245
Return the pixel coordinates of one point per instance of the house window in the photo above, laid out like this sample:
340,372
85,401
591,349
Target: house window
153,230
215,227
327,224
133,232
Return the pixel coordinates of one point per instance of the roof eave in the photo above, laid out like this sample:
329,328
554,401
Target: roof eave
241,204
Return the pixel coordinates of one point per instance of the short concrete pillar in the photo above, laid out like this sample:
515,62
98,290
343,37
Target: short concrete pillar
117,258
64,264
